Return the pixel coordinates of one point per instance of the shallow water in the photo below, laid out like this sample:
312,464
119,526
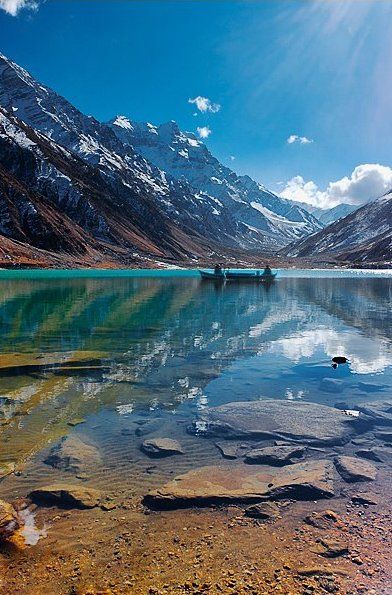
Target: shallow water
99,354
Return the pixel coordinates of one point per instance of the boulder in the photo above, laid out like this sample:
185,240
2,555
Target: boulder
241,483
265,511
161,447
277,456
66,495
72,454
303,422
332,385
352,469
9,522
326,519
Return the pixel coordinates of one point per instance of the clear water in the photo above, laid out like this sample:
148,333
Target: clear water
115,349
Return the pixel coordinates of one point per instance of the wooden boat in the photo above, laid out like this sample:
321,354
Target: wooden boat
248,276
211,276
238,276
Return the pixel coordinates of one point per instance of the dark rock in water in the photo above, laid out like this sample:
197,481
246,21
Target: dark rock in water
352,469
339,359
365,498
265,511
9,521
326,519
275,455
72,454
385,436
332,385
161,447
304,422
66,495
241,483
332,547
379,411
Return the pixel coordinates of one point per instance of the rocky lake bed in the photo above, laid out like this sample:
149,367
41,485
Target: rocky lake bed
292,484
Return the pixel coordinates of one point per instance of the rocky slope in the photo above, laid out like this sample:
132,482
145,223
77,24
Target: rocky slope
54,203
363,236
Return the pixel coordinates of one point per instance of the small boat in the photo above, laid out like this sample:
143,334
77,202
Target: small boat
247,276
211,276
255,277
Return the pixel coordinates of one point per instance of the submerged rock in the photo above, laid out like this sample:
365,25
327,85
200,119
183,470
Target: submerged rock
304,422
66,495
352,469
161,447
275,455
224,484
9,522
72,454
265,511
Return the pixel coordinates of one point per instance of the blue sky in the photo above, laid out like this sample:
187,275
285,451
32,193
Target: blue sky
317,70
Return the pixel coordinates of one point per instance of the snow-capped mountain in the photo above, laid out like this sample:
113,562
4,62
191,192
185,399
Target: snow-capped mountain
363,236
205,205
185,157
327,216
54,205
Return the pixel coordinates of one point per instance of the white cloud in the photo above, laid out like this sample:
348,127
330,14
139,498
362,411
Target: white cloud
232,158
204,104
204,131
302,140
12,7
366,182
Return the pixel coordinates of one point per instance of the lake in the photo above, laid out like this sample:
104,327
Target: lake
95,365
119,350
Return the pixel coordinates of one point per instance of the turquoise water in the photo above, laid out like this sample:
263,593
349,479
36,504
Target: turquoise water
119,348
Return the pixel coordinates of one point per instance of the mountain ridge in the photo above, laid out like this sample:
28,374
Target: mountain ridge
362,236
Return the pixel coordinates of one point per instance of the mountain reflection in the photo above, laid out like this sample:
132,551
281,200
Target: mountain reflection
70,348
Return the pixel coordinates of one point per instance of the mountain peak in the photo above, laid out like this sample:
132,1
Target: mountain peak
170,128
122,122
